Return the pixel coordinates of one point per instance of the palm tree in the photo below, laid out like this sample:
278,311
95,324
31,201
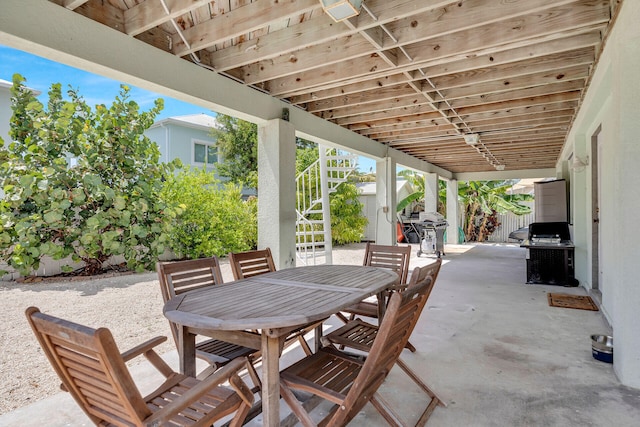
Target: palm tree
483,201
417,184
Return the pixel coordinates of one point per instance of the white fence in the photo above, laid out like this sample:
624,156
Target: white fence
510,222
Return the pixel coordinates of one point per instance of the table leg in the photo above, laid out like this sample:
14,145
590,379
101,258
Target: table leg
187,351
270,381
317,337
382,305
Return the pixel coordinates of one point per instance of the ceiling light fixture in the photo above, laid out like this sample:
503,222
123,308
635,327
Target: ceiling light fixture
340,10
472,138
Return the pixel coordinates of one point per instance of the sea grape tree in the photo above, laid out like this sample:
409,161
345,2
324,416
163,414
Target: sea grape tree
80,182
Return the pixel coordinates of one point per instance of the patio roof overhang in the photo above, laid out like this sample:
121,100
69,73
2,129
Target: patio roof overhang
406,79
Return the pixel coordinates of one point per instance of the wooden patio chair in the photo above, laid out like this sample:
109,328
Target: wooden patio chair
347,380
257,262
92,369
361,335
395,258
251,263
178,277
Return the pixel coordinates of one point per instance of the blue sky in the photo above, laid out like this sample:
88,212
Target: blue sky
41,73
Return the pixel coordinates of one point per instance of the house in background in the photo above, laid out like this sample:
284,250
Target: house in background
367,196
187,138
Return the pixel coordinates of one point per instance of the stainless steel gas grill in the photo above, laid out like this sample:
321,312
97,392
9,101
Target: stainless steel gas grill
550,254
433,226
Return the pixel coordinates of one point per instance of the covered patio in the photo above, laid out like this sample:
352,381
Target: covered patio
489,344
457,90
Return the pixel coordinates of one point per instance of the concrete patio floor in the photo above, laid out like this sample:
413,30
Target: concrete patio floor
487,343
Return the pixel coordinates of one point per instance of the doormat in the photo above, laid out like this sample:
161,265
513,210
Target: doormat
581,302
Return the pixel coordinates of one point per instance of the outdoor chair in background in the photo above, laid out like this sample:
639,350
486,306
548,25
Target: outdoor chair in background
92,369
350,381
257,262
395,258
361,336
251,263
178,277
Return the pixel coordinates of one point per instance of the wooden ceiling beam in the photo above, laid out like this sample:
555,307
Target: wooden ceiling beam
506,152
441,159
104,13
494,100
542,49
439,130
409,100
355,88
520,111
440,49
420,112
375,96
408,120
566,114
238,22
519,69
320,29
511,135
559,123
147,15
553,23
71,4
403,101
441,23
460,146
579,72
508,55
420,124
562,70
521,102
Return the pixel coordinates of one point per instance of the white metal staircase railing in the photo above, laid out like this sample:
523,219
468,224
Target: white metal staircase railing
313,186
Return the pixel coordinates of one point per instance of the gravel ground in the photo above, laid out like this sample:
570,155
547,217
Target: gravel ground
129,305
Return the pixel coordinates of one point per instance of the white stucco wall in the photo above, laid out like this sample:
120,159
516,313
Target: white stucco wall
612,102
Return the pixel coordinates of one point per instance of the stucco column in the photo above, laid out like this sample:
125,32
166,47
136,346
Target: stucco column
431,192
452,211
623,218
386,202
277,191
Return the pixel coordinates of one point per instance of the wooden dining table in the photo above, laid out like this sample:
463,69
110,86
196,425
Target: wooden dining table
259,312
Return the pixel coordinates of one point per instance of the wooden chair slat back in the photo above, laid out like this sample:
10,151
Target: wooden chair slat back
429,270
395,258
90,366
178,277
251,263
402,314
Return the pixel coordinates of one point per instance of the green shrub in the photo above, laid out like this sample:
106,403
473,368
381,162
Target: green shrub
347,221
214,220
104,203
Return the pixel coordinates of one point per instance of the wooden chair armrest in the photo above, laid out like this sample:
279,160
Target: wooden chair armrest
146,349
397,288
223,374
242,389
142,348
